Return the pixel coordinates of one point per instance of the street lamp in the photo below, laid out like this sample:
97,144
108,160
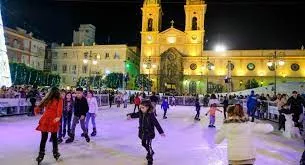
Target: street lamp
220,48
275,60
148,65
86,62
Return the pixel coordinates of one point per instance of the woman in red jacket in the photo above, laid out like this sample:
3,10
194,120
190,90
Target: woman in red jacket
49,121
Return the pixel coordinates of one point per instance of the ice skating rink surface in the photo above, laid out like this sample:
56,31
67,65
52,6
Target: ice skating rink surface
186,143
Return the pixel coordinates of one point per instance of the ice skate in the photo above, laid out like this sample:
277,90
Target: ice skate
71,139
56,155
40,157
94,132
64,133
87,138
59,140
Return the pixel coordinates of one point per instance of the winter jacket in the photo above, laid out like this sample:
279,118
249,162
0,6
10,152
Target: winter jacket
164,105
251,102
147,124
52,110
68,107
239,133
154,98
296,104
81,107
92,103
137,101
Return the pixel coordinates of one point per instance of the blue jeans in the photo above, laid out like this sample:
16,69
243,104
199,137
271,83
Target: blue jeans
212,120
92,116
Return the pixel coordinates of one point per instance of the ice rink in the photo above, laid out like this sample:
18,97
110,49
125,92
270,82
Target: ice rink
186,142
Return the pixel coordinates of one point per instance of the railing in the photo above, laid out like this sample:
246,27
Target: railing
15,106
269,113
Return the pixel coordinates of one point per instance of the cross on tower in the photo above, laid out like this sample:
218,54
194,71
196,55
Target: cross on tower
172,22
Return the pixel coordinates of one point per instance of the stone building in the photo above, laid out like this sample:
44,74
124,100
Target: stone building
177,61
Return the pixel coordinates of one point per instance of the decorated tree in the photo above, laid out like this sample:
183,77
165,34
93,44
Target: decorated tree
114,80
142,82
251,84
94,81
22,74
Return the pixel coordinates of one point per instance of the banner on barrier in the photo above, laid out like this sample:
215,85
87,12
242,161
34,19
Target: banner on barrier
13,102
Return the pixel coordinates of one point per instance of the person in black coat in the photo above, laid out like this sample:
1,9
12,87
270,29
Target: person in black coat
225,106
154,100
296,103
197,105
80,110
147,124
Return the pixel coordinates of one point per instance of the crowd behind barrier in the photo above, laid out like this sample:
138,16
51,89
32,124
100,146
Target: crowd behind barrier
14,106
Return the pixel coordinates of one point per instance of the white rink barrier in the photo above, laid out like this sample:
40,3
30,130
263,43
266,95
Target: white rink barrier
15,106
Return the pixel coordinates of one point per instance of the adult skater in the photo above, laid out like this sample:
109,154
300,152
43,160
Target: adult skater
239,134
154,100
80,110
296,103
147,124
225,103
251,105
49,122
33,95
197,106
136,102
93,107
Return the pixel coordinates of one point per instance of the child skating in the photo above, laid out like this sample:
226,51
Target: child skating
147,124
49,121
80,110
93,107
212,113
165,107
197,105
239,134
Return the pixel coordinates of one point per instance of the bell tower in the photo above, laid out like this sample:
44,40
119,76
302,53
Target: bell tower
151,25
194,26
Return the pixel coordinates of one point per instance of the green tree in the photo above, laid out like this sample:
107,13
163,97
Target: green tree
114,80
142,82
22,74
94,81
250,84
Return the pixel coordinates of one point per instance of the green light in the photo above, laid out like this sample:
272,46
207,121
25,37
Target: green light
127,65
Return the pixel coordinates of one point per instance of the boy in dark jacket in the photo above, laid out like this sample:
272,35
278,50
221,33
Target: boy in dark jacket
80,110
147,124
197,105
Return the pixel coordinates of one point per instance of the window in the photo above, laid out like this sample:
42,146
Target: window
54,67
107,55
194,23
74,79
16,43
74,69
150,25
65,55
64,69
38,65
85,68
128,58
116,56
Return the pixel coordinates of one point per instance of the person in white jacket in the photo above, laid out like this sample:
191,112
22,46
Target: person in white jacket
239,133
93,107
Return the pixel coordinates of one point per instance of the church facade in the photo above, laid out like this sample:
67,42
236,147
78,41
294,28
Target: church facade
175,60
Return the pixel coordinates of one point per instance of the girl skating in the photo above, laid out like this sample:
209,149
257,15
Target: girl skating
147,124
239,132
165,107
93,107
49,121
212,113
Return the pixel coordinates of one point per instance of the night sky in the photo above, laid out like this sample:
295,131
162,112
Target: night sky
239,24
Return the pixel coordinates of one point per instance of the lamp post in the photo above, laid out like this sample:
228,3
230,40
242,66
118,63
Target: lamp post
89,61
148,65
275,60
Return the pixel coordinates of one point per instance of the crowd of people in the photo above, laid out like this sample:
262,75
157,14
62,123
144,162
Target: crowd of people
62,110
